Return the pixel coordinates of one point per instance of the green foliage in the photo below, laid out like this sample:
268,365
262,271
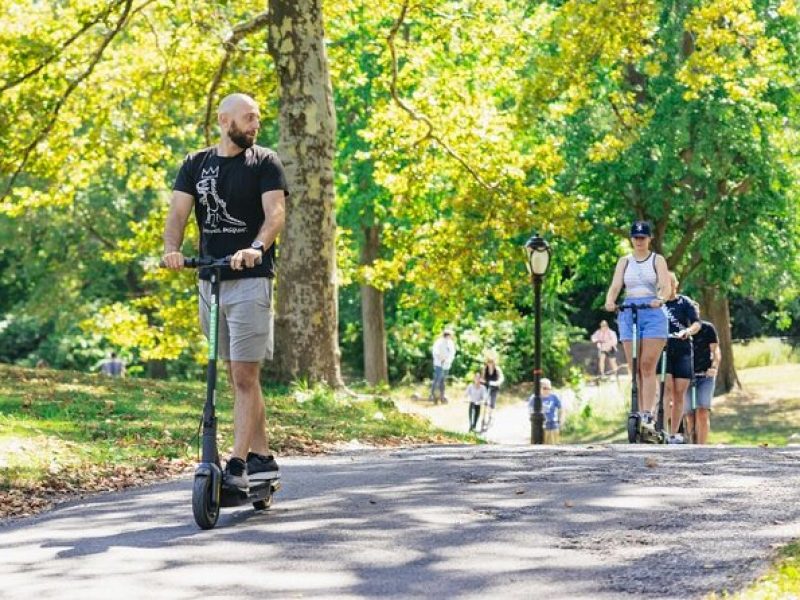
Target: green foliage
462,127
686,116
19,336
508,335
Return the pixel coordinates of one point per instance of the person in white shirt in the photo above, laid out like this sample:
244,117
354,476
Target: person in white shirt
475,394
444,352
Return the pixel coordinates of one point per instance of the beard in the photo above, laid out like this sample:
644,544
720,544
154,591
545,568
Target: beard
240,138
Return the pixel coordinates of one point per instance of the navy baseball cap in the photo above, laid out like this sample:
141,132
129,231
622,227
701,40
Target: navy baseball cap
640,229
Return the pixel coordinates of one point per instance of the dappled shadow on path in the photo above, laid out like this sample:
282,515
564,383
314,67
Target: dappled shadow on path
573,522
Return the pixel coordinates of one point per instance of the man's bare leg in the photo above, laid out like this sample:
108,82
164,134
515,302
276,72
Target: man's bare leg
676,389
249,416
703,424
688,430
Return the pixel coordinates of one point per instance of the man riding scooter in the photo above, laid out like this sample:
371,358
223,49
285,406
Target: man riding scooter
249,188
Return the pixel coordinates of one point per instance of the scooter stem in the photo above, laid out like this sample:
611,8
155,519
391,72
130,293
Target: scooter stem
210,453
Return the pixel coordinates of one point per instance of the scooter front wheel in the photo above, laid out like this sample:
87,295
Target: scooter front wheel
263,504
205,512
633,429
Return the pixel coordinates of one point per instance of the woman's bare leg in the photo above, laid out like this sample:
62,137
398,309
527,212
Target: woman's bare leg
648,361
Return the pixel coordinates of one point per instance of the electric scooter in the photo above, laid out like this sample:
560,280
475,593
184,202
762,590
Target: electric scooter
641,429
208,492
662,380
691,436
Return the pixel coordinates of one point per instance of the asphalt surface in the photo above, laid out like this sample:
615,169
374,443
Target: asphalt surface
435,522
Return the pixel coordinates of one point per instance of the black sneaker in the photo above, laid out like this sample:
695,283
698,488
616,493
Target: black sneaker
260,467
235,474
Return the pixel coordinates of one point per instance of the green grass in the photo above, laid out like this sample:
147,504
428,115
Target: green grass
600,415
764,352
591,424
63,424
765,411
780,583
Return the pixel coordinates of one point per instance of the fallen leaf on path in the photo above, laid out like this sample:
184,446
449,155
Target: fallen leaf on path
568,503
650,462
518,492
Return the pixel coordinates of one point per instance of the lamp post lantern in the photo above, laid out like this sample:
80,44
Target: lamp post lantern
538,253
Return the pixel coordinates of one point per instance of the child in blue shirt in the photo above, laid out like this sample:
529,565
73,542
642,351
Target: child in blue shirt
553,412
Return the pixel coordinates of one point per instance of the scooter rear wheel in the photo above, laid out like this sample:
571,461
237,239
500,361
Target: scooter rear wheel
205,515
633,430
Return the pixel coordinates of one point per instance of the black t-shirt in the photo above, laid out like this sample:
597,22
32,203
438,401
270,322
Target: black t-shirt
227,202
680,314
702,341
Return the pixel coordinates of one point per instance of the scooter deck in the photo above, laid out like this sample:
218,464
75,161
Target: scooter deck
261,490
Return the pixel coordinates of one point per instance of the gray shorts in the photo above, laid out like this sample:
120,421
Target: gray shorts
703,394
245,318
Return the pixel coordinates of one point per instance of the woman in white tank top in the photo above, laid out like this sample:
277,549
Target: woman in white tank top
645,276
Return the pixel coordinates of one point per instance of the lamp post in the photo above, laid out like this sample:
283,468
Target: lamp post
538,252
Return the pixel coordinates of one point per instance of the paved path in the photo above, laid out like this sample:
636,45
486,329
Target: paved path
442,522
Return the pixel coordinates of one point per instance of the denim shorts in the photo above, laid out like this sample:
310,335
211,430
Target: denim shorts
653,322
703,394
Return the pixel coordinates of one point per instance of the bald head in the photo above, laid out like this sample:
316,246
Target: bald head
239,120
235,102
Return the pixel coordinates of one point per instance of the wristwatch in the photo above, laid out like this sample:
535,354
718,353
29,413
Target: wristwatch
259,245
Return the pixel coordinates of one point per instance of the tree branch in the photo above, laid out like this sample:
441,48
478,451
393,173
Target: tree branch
239,32
67,43
417,116
70,89
683,245
684,273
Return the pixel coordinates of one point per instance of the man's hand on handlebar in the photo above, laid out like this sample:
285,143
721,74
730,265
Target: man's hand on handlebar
172,260
610,306
246,258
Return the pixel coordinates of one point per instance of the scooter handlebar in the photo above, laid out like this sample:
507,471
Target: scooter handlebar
195,262
640,306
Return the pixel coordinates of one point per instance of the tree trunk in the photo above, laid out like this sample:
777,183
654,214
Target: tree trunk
715,309
157,369
306,336
376,369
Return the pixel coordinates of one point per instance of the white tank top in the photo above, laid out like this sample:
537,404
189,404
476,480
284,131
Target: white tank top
640,277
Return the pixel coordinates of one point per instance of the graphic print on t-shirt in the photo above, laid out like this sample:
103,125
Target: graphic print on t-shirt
216,207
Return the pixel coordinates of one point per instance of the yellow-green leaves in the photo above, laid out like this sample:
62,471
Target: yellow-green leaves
731,50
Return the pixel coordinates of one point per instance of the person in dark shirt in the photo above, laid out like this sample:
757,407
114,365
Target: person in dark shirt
707,358
683,323
237,190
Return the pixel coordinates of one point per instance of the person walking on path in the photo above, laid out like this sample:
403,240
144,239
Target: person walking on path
491,378
707,358
606,341
645,277
553,410
684,322
475,394
237,190
444,352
